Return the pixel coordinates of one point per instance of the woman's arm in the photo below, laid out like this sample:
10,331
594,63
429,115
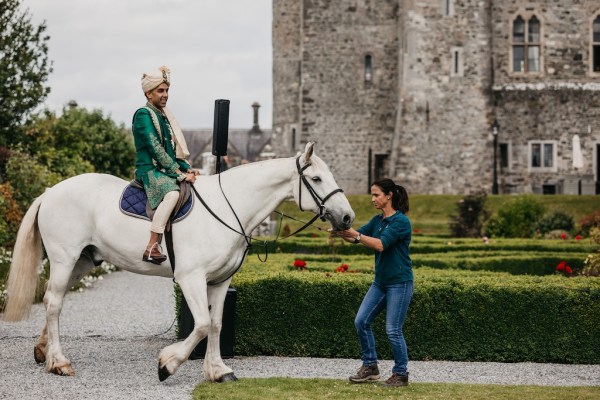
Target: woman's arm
351,235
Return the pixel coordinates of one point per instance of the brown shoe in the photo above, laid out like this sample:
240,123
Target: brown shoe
365,373
154,255
397,380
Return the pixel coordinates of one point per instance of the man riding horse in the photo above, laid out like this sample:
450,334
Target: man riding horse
161,152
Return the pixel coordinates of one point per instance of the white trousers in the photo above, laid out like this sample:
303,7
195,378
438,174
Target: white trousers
163,211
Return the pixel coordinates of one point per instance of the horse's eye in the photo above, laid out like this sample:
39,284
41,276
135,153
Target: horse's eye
316,179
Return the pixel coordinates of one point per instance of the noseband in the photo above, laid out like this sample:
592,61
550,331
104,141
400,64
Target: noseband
318,200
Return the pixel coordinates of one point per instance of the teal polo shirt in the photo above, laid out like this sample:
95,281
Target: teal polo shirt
393,264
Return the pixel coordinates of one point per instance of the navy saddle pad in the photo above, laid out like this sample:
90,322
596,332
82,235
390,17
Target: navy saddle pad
134,199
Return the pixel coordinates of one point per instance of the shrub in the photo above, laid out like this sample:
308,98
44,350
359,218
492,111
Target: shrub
467,316
557,234
471,216
28,178
589,221
518,219
10,216
4,156
592,262
555,220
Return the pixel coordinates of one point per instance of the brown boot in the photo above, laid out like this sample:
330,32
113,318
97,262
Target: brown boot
154,255
365,374
397,380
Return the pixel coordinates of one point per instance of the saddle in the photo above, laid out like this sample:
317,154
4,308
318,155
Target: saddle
134,202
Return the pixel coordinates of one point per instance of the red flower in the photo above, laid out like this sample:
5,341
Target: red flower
299,264
561,266
342,268
568,270
578,237
563,236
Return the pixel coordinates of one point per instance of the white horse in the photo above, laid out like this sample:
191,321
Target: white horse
80,224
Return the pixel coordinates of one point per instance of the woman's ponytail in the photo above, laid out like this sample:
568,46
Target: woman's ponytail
398,193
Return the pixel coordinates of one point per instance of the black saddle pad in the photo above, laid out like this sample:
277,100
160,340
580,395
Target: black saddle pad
134,199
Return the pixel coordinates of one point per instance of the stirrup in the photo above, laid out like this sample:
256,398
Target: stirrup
148,254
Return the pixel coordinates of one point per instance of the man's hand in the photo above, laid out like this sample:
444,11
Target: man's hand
190,177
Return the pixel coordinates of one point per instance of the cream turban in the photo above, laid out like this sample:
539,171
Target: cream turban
151,81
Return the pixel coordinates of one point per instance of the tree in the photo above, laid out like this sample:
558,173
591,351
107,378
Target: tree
24,68
80,141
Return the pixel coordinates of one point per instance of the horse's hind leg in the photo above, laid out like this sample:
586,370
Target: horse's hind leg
48,348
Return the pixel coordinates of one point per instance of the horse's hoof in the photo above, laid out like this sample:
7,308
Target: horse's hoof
230,377
39,355
163,373
67,370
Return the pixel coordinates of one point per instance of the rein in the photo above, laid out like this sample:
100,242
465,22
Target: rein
318,200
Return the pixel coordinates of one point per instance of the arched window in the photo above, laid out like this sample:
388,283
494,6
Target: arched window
368,68
526,44
596,44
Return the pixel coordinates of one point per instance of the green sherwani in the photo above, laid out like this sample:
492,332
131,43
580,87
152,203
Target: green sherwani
155,151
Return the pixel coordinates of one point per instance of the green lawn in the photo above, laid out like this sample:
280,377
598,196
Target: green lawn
430,214
310,389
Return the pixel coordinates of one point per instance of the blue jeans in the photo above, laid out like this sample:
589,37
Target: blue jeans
395,299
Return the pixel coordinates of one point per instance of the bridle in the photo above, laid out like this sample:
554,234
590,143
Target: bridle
318,200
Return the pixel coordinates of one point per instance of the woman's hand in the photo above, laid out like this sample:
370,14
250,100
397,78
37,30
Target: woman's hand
348,234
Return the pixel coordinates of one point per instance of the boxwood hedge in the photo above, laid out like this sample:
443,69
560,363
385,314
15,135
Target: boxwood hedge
462,315
474,316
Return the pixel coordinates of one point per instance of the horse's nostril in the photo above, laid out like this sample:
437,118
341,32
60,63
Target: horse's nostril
346,219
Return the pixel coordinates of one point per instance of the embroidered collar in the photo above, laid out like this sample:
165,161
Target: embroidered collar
153,108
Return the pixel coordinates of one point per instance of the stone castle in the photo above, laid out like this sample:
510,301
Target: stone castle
443,96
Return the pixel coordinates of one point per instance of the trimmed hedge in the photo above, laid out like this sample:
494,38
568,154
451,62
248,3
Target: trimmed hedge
516,264
430,245
469,316
460,311
542,263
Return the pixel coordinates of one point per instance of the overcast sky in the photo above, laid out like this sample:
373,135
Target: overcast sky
216,49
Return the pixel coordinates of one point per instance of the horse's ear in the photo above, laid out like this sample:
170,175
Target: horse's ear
308,151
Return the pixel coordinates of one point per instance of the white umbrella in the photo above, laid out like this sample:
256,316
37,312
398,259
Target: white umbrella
577,156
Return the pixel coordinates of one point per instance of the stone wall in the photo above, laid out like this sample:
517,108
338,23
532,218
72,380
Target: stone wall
554,115
442,72
443,135
345,114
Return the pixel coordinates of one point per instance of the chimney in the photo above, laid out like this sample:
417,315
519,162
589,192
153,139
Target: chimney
255,126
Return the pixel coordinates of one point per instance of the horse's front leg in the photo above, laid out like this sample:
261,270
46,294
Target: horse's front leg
214,368
171,357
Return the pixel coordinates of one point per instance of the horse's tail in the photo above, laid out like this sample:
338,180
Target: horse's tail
26,257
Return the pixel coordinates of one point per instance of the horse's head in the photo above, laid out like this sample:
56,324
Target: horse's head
317,191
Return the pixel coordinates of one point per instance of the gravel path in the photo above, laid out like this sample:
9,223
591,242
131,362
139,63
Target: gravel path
113,332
